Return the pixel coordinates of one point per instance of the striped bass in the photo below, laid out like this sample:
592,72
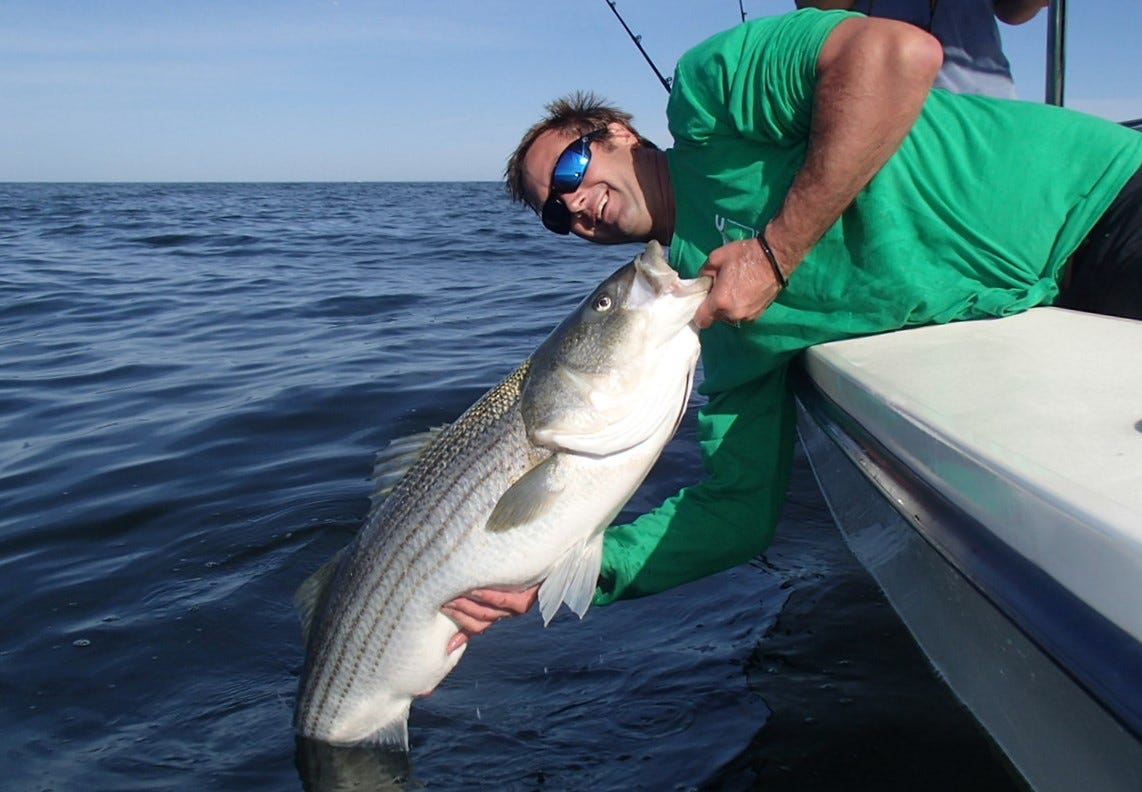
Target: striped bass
517,491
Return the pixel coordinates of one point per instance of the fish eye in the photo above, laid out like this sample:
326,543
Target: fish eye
603,303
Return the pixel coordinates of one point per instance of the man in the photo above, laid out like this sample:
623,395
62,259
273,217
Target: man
973,50
830,194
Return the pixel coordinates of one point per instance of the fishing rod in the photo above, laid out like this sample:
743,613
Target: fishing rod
638,43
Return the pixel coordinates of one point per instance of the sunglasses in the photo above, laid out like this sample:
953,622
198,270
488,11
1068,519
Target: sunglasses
566,178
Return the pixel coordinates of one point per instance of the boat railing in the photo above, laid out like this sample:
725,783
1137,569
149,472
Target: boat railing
1056,51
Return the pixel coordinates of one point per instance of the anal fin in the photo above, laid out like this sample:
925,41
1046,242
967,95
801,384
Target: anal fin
573,579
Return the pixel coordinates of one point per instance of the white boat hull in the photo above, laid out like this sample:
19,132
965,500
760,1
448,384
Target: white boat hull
989,476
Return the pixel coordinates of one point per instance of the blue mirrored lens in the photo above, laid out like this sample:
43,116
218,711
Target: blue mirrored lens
566,178
569,170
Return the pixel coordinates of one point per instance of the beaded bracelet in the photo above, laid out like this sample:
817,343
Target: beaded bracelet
772,260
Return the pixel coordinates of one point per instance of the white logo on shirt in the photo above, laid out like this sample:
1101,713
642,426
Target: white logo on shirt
733,231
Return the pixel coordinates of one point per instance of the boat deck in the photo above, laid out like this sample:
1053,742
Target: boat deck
1012,448
1031,424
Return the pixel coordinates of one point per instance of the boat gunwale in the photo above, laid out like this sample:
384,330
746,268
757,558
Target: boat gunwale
1051,616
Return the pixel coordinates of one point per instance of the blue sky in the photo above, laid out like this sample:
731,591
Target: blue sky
285,90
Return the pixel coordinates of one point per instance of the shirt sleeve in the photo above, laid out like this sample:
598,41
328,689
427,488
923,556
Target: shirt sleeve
755,80
746,436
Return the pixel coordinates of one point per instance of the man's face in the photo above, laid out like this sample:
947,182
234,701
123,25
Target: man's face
609,206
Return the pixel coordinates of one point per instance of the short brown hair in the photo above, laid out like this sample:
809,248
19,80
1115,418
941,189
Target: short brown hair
578,114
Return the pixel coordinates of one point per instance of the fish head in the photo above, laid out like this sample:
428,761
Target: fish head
599,383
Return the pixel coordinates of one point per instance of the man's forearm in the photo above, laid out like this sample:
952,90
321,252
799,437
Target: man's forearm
874,76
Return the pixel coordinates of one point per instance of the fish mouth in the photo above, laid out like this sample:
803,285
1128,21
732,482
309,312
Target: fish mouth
687,287
652,265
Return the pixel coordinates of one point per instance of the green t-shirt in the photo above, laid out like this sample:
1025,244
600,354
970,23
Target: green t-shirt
974,216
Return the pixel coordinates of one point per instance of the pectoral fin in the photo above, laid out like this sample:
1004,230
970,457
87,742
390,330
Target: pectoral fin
573,580
529,498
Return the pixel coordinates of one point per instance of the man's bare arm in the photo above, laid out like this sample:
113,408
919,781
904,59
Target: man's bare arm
874,76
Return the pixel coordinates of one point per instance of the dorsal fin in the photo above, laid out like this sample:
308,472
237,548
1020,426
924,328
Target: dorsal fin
311,594
393,461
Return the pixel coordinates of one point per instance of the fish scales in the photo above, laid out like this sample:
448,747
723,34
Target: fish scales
517,491
453,513
444,468
385,585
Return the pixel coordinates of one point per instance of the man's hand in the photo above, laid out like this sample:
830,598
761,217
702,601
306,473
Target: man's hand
477,610
744,284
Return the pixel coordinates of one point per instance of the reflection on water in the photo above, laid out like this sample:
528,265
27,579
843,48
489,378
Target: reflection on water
327,768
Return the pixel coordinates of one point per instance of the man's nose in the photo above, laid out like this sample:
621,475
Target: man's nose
576,203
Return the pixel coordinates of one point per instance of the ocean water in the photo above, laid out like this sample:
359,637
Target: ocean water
193,382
